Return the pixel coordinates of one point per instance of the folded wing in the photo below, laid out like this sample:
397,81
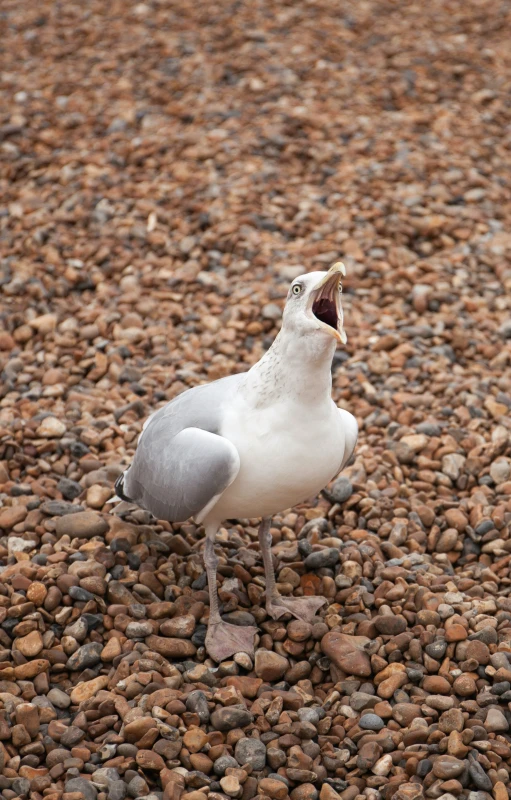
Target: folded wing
182,476
182,464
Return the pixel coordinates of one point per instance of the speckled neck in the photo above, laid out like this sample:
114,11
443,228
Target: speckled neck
296,367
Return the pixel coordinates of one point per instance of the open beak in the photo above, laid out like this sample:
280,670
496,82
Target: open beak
326,302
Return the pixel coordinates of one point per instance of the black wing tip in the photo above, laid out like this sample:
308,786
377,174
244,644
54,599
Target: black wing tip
119,489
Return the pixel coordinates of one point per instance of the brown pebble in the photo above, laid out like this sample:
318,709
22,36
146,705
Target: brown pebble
30,645
464,686
455,633
347,652
273,788
269,666
436,684
195,739
147,759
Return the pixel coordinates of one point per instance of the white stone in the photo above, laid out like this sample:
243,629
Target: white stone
452,465
51,428
17,545
383,765
500,470
495,721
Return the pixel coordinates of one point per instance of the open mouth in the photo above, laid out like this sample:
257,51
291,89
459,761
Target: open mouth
325,310
326,303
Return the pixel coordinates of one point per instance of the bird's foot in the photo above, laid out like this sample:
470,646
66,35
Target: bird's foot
224,640
304,608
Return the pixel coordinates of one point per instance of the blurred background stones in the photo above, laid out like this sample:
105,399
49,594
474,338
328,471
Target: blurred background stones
165,171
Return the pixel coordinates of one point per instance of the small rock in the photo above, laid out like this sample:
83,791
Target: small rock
138,630
456,519
195,739
500,470
236,716
223,763
251,751
275,789
84,525
342,489
171,648
481,780
390,625
328,557
85,787
30,645
148,759
347,653
69,489
447,767
371,722
84,691
181,627
51,428
59,698
495,721
86,656
231,785
11,516
97,495
270,666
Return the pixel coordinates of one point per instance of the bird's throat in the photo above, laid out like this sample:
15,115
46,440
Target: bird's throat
295,368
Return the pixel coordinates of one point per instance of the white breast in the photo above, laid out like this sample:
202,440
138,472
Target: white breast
288,453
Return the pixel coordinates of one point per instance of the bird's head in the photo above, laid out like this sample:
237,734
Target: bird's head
313,304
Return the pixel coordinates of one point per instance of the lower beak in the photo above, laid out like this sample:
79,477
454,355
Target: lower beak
326,303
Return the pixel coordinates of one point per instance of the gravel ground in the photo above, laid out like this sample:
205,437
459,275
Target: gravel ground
165,170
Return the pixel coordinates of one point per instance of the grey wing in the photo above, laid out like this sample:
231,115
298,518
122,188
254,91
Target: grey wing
177,476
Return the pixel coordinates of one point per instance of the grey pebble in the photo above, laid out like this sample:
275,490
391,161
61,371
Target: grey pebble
362,700
342,490
223,763
371,722
59,508
77,593
436,649
104,775
58,698
479,776
137,787
230,717
322,558
127,749
88,655
196,702
21,786
308,715
250,751
69,489
117,790
138,630
72,736
84,786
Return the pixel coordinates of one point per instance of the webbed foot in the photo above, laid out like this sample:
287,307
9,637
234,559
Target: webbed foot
304,608
224,640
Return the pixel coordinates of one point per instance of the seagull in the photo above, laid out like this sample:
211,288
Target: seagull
252,445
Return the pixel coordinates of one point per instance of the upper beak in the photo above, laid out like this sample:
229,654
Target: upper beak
326,305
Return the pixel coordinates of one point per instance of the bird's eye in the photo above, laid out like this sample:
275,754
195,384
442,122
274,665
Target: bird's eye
297,288
340,288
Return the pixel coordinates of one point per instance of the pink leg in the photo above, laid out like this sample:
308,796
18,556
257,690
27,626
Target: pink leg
222,639
304,608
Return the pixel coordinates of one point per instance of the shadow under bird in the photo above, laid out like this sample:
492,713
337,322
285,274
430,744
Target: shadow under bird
251,445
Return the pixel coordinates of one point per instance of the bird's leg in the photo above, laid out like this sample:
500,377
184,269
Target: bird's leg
304,608
222,639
